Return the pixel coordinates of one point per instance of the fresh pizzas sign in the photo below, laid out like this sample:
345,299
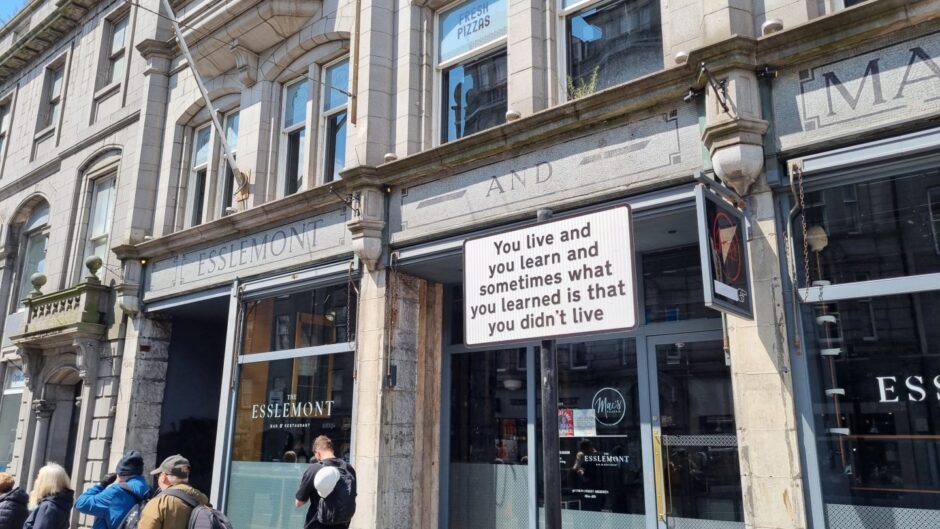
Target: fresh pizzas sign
569,276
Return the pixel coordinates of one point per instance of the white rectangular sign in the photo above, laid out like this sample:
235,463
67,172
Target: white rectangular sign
569,276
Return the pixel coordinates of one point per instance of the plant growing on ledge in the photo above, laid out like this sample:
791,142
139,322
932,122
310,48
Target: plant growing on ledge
585,87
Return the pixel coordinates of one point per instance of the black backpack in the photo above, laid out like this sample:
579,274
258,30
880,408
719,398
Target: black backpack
339,506
203,516
132,518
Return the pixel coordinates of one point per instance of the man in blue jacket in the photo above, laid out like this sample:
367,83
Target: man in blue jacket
112,498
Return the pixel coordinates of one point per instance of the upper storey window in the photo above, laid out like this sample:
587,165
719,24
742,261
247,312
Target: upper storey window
610,42
53,102
116,54
228,182
333,119
197,176
294,134
472,67
33,240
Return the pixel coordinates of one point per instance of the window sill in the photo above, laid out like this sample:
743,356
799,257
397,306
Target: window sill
43,134
107,91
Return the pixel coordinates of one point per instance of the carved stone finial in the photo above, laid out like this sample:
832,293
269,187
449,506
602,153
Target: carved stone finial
38,280
366,227
93,264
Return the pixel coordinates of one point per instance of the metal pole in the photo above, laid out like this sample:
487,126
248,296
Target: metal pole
229,157
551,466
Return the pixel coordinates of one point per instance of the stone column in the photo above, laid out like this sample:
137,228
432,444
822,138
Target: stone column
768,444
43,410
527,64
87,351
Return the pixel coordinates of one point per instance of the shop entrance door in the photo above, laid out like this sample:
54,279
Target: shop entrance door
696,476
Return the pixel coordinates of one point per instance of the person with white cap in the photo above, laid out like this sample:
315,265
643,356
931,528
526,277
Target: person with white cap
331,483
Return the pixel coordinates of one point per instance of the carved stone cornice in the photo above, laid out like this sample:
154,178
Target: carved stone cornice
246,61
87,351
368,224
32,361
43,35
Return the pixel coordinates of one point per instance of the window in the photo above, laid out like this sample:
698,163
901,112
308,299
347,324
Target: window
609,43
293,135
10,401
5,110
472,62
53,97
228,182
197,175
334,119
881,228
116,51
99,222
33,260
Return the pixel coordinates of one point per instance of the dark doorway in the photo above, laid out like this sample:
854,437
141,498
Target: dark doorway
193,383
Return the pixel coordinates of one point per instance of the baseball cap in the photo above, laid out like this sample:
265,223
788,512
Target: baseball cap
174,466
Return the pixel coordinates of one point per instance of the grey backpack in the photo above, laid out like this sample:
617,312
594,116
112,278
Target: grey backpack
203,516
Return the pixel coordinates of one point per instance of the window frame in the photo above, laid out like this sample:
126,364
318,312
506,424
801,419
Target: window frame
194,206
106,175
324,116
21,284
284,137
437,99
226,176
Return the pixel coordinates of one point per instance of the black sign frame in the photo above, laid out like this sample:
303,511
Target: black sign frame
727,273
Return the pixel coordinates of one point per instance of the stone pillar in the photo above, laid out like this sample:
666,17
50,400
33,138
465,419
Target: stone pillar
723,18
414,79
769,447
142,378
43,411
372,59
31,362
527,64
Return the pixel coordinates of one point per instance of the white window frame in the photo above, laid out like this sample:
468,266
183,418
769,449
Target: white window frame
22,285
190,211
109,56
561,41
437,99
6,125
90,238
285,133
223,167
48,122
325,115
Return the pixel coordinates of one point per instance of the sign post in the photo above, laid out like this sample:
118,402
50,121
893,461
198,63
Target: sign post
561,277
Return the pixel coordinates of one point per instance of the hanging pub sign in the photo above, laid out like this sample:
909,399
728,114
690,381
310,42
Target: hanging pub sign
722,235
574,275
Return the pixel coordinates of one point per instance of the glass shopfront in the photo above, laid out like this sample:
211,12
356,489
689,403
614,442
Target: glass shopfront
874,354
294,382
646,418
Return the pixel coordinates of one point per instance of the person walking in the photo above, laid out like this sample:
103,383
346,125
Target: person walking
51,499
112,498
166,510
13,503
331,483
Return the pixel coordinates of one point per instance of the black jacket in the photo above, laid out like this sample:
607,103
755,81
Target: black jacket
13,509
53,512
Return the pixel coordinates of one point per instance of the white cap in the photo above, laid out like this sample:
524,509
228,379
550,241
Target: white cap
325,481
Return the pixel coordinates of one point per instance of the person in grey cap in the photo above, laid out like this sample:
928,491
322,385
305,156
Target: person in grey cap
112,498
167,511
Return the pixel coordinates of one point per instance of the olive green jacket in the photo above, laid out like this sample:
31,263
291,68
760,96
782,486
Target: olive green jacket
167,512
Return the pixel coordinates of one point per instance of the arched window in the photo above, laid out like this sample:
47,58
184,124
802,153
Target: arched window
34,238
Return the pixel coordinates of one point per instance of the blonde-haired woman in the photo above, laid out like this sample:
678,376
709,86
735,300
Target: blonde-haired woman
51,499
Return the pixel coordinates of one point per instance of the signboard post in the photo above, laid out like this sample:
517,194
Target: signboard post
564,277
723,245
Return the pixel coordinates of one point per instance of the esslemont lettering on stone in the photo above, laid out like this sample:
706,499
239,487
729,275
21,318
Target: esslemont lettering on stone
859,93
570,276
291,244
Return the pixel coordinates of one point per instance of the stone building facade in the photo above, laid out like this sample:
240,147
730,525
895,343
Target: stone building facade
233,314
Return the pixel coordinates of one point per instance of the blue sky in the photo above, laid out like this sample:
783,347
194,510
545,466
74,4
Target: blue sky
8,8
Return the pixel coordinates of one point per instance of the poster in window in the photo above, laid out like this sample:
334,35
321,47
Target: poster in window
723,245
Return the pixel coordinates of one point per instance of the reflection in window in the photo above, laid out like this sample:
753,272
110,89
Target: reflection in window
599,445
612,43
883,228
474,96
672,285
877,403
334,119
303,319
294,133
99,222
281,407
33,260
488,442
10,412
